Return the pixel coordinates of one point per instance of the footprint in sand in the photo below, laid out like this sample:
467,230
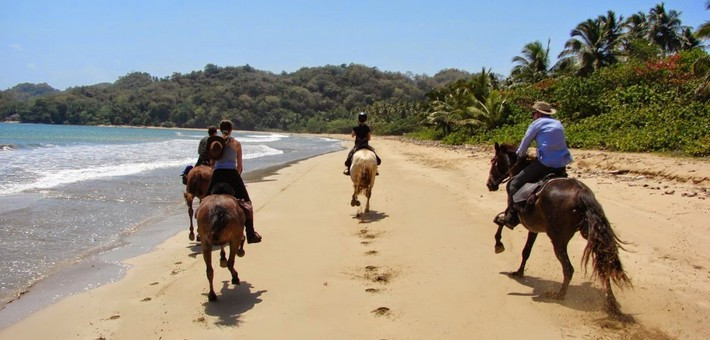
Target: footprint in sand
381,311
375,274
372,290
371,252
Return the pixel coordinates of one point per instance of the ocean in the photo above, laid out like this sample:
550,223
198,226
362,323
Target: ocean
69,195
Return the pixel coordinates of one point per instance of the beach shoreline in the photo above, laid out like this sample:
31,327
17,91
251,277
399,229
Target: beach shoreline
420,264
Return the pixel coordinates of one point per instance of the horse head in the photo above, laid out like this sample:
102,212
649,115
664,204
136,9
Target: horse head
501,163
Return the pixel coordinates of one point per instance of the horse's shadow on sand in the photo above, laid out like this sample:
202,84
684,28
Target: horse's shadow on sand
371,216
232,301
584,297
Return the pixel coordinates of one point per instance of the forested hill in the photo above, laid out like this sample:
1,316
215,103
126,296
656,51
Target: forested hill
311,99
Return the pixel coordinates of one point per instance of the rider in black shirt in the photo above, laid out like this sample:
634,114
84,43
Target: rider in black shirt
362,134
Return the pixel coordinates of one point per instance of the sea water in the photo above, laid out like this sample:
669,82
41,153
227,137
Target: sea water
68,193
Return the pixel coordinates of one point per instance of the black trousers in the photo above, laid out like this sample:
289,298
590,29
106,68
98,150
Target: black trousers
231,177
532,173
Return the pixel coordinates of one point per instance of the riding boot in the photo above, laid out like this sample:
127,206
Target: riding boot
511,218
252,235
346,171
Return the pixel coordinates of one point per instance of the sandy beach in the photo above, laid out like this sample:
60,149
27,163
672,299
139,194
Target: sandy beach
420,265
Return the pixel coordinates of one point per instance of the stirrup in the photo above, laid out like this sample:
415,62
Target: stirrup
346,172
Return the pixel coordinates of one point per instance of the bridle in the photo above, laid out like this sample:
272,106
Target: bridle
498,177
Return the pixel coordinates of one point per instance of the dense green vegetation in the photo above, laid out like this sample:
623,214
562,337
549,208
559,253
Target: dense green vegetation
316,99
635,84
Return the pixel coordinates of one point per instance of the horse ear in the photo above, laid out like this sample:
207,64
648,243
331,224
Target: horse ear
497,146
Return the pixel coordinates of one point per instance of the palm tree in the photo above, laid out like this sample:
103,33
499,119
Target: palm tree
688,40
664,28
532,66
595,43
703,31
488,113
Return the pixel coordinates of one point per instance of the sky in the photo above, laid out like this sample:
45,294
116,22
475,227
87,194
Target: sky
69,43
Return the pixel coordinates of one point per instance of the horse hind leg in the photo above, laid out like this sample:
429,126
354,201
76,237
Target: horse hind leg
207,255
354,202
222,257
367,205
567,271
233,249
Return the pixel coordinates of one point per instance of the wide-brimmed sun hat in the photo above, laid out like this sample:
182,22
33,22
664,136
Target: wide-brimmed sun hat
544,108
215,147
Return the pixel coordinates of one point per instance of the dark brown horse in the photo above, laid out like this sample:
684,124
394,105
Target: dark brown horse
220,221
198,181
564,207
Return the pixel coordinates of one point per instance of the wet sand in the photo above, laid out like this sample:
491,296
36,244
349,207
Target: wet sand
419,265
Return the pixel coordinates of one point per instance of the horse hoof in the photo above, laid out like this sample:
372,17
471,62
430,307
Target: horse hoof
235,280
240,252
192,237
500,249
223,263
516,274
197,238
212,297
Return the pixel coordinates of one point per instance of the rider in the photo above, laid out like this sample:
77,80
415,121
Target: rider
362,134
228,169
203,158
552,155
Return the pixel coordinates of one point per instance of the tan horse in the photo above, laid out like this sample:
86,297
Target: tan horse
362,173
220,221
198,181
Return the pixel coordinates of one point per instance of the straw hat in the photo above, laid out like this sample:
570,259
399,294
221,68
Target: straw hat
544,108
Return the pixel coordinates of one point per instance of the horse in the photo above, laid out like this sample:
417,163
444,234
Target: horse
362,172
198,181
563,207
220,221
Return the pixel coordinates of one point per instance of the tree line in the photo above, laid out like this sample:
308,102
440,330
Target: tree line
632,84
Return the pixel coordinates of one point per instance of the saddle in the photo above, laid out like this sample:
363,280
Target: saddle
524,199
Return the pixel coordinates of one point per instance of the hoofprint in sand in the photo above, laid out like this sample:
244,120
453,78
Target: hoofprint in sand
420,264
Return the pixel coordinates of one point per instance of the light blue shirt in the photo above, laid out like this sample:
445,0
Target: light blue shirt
549,135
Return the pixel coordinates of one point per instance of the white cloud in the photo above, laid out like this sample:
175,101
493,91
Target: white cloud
32,66
17,47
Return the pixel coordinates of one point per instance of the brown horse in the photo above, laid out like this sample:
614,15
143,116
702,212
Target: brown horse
563,207
220,221
198,181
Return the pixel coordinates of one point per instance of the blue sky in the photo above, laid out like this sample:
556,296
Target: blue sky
72,43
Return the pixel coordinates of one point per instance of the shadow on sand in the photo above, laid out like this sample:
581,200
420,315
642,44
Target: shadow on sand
369,217
584,297
232,301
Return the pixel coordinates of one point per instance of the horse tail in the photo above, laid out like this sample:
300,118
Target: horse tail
602,243
365,177
219,219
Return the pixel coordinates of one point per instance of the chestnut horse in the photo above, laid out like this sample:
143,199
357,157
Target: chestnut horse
198,181
362,172
562,208
220,221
